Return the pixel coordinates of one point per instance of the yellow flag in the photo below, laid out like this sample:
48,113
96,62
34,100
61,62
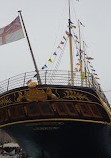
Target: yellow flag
50,60
80,68
74,26
83,76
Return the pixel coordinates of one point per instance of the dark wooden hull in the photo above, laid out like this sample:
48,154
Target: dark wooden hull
63,139
57,121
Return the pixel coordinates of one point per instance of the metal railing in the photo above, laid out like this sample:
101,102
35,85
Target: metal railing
52,78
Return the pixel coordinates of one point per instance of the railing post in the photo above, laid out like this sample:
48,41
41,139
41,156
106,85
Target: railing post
68,78
45,76
24,79
8,84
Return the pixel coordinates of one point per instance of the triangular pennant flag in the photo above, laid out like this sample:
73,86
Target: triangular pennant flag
67,33
43,68
70,21
80,67
78,64
83,76
76,36
94,74
89,58
61,42
96,78
73,26
82,24
28,81
76,69
81,51
50,60
54,53
91,66
93,70
77,41
59,47
64,38
35,75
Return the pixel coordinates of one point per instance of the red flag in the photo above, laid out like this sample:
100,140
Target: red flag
67,33
76,69
61,42
59,47
89,58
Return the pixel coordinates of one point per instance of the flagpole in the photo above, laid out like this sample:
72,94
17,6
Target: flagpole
35,65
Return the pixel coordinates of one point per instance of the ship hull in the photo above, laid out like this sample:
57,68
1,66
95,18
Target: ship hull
57,121
59,139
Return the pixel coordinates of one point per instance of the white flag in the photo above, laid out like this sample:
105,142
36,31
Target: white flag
11,32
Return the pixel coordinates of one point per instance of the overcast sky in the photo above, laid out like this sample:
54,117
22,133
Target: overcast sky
46,22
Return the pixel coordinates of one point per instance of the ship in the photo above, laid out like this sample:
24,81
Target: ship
60,114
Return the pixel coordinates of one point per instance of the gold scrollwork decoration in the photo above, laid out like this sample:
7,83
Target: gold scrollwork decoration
75,95
32,95
5,101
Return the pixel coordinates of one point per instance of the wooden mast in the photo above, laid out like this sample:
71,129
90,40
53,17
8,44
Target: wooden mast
70,44
35,65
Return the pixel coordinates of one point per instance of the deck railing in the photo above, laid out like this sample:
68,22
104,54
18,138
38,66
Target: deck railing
52,78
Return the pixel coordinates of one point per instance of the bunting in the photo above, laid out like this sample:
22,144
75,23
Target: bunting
45,66
54,53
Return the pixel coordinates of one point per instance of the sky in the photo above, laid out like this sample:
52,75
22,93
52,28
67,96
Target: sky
46,22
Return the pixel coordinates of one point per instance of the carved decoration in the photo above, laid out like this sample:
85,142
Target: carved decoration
75,95
50,94
5,101
35,95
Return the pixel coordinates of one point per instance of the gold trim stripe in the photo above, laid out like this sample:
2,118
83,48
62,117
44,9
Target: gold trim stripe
55,119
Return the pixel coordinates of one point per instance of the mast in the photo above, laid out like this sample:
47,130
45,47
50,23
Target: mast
70,44
85,68
35,65
80,53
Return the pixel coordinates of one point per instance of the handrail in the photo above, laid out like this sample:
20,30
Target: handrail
52,78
